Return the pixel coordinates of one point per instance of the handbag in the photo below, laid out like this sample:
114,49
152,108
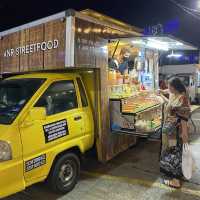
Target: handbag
187,162
171,160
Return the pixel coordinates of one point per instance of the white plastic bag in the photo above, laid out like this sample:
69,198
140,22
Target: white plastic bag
187,162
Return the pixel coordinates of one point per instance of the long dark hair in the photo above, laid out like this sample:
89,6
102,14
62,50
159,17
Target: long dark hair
177,84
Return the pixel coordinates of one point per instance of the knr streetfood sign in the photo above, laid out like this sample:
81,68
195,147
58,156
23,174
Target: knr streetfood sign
32,48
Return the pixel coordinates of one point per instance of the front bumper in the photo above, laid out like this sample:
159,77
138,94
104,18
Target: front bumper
11,177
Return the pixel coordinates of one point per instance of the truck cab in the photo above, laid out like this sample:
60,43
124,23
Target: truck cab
46,123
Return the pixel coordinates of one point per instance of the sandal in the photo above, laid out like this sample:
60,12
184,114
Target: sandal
171,184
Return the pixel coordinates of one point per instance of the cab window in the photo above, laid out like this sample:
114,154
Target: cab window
14,94
59,97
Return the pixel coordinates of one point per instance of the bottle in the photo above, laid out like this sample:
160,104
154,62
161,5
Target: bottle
112,77
119,78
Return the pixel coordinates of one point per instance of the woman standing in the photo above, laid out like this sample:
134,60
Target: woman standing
175,128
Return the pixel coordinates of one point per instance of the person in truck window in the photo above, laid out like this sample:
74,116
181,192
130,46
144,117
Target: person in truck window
113,63
124,60
175,128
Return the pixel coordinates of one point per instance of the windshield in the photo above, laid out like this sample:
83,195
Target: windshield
14,94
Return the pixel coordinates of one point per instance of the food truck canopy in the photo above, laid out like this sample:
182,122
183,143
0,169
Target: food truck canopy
163,43
111,21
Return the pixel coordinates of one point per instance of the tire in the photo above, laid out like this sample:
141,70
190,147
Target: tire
64,174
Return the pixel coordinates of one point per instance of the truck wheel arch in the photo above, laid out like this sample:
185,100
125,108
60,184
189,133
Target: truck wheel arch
75,150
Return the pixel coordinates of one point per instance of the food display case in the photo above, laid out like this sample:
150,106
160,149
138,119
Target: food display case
139,114
135,109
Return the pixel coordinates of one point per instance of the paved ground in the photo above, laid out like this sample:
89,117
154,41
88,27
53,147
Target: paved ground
132,175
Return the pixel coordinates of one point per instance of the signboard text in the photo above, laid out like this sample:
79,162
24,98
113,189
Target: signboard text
32,48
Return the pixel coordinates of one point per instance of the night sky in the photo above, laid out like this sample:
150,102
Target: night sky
141,13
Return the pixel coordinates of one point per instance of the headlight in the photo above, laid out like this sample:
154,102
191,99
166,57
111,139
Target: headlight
5,151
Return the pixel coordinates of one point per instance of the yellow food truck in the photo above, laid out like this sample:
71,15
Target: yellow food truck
59,97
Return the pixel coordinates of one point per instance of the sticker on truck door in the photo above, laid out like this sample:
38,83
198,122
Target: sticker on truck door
55,130
35,163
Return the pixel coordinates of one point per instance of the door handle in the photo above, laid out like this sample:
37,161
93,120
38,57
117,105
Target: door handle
26,124
77,118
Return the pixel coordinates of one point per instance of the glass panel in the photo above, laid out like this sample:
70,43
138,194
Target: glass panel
59,97
14,94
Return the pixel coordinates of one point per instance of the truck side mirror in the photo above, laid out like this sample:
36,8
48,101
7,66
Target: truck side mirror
37,113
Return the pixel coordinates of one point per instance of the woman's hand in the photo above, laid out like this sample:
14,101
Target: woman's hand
159,92
163,91
163,98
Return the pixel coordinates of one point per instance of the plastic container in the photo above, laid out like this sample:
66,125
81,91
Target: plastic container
126,79
112,77
119,78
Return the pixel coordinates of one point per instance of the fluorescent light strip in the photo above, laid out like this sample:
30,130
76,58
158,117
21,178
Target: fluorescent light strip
174,55
152,43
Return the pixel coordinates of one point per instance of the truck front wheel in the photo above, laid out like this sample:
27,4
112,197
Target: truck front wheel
65,173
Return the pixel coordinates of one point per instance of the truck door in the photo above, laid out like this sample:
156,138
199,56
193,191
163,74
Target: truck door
87,111
64,122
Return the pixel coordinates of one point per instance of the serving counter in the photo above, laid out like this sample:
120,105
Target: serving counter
139,114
